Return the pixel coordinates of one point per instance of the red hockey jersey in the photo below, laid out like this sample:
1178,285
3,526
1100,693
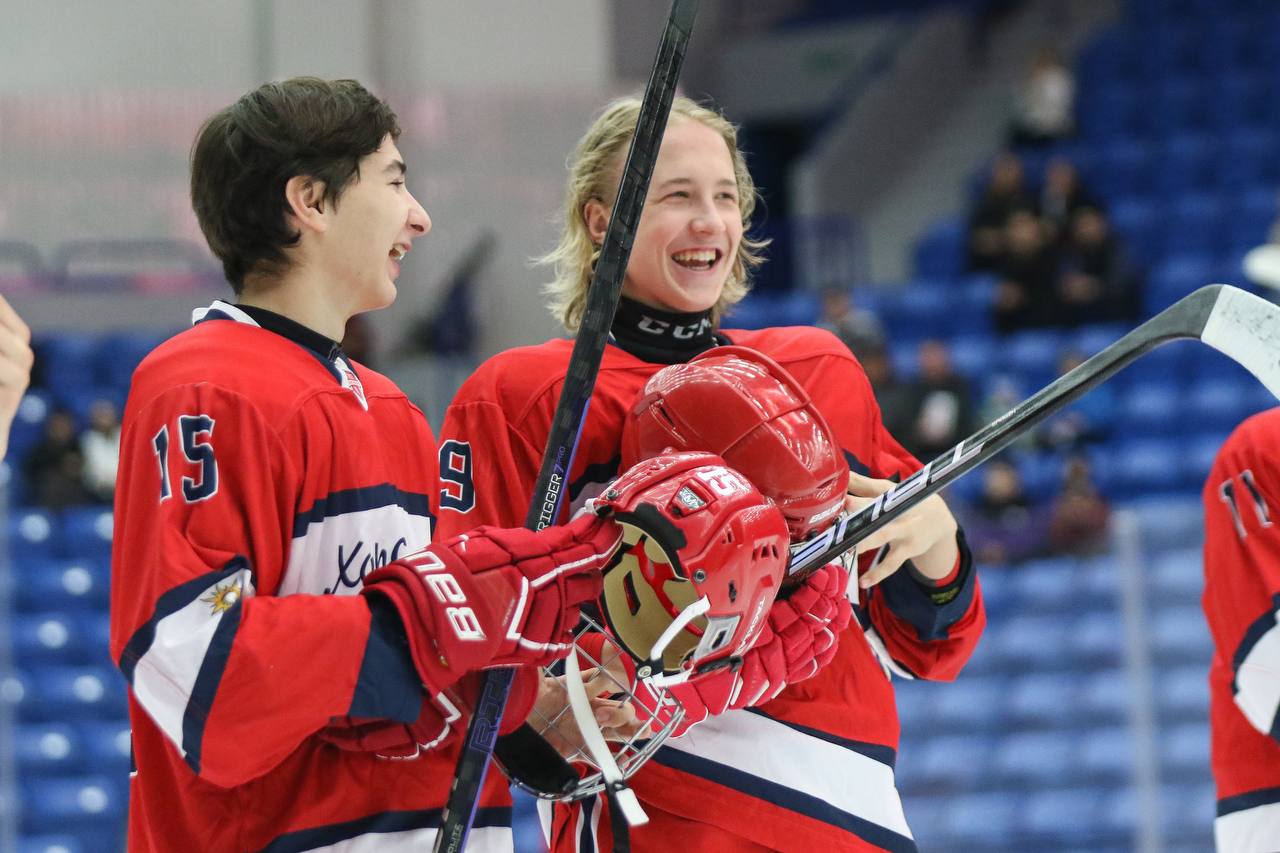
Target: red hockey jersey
260,481
1242,605
813,769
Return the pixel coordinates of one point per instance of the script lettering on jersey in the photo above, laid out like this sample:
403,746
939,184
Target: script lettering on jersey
682,332
547,515
351,574
805,555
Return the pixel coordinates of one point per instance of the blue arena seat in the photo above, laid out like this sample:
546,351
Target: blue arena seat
1179,635
86,533
1182,694
941,252
1042,699
1106,755
1184,750
1150,408
1169,521
32,533
1096,639
48,749
1143,466
982,819
76,693
66,585
50,843
107,747
1176,576
1105,696
1033,759
88,806
47,638
958,762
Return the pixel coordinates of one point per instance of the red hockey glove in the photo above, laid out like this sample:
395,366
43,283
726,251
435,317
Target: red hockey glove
800,638
440,716
495,596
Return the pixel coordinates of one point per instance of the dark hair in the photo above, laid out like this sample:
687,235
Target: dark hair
245,154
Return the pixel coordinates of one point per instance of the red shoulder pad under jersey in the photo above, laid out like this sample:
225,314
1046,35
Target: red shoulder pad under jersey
840,389
1242,603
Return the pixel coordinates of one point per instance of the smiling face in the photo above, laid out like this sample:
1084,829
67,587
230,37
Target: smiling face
370,230
689,232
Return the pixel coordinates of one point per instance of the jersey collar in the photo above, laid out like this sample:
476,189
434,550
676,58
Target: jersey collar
326,350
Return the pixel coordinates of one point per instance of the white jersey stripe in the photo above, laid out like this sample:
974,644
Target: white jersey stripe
1255,830
848,781
1257,682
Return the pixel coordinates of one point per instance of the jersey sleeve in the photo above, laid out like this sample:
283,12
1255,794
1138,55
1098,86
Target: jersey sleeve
1242,570
234,676
926,631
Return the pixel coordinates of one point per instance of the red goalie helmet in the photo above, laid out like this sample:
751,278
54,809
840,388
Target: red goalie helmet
701,562
744,406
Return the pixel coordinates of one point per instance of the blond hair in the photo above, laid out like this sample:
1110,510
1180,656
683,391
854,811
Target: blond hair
593,175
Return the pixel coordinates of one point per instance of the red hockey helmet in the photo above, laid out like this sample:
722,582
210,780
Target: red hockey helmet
701,562
744,406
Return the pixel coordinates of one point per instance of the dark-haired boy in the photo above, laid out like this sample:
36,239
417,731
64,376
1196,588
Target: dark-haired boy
288,653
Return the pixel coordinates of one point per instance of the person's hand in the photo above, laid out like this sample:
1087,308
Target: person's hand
924,534
552,718
15,367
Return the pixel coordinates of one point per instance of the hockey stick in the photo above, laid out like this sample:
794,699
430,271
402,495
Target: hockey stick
1240,325
603,295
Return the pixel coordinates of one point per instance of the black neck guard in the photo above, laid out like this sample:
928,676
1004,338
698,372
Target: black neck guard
662,337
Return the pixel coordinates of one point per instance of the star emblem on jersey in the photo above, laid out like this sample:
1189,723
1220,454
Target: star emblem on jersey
222,597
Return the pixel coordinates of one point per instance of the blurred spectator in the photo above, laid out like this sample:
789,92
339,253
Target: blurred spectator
100,447
890,391
1045,108
1062,196
1004,194
55,466
1080,519
1004,525
1097,283
1086,421
937,406
857,329
1028,273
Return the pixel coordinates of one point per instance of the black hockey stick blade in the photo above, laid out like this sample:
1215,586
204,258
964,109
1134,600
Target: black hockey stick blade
584,363
1242,326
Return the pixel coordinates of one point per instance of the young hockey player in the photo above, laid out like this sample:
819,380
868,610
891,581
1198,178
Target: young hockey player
1242,605
283,637
811,768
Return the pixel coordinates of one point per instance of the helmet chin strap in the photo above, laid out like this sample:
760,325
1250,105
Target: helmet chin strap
656,675
621,798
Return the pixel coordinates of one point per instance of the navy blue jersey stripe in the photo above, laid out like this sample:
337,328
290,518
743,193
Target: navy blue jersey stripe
168,604
388,685
1250,800
358,500
875,751
1257,629
402,821
206,685
788,798
915,603
598,472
